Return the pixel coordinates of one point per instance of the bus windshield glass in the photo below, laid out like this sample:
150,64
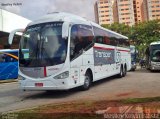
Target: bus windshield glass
155,50
42,45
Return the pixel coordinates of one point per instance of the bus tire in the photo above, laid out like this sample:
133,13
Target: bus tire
120,75
125,71
87,82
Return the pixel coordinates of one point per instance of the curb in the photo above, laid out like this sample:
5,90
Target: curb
8,81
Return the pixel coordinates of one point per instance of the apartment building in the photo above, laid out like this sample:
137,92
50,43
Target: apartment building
128,12
153,9
104,11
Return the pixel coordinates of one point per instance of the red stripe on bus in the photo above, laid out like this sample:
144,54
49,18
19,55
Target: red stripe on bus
45,72
103,48
124,50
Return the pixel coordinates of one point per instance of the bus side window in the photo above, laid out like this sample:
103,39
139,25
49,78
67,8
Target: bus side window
87,36
99,35
106,40
81,38
113,41
73,40
99,39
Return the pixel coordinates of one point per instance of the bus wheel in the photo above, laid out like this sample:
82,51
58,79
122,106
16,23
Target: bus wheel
125,71
87,82
120,75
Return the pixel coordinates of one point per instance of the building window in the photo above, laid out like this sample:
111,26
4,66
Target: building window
106,6
107,11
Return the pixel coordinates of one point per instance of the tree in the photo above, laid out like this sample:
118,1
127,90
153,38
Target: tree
141,34
144,33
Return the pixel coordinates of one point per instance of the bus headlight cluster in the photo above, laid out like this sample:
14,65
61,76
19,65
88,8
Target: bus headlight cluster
62,75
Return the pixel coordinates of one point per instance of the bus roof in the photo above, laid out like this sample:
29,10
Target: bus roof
155,43
60,16
71,18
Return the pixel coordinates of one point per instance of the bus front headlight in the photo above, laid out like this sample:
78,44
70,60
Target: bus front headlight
62,75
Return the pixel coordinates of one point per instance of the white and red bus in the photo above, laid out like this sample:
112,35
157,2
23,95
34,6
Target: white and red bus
153,56
61,51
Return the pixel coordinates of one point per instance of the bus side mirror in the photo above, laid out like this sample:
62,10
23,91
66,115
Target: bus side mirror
11,35
65,30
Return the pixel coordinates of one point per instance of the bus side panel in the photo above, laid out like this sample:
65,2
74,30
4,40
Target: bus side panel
125,57
79,67
105,61
88,63
75,66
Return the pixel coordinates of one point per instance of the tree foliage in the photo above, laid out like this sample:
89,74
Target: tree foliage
141,34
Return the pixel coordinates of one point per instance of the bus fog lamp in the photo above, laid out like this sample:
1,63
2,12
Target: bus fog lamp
62,75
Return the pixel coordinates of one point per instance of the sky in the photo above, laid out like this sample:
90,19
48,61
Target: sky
33,9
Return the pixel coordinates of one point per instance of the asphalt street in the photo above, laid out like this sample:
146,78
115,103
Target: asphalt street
140,83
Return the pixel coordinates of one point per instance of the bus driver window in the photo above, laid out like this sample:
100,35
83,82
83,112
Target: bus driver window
76,41
81,38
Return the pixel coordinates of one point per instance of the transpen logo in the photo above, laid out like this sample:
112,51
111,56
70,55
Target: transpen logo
103,54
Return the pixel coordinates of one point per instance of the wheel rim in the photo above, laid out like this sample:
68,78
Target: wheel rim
87,81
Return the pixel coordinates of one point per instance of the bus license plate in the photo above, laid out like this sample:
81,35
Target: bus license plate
39,84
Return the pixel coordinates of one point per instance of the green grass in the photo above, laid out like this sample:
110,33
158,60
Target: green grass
57,116
77,110
140,100
49,116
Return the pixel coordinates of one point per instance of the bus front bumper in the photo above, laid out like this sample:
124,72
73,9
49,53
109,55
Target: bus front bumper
155,67
44,85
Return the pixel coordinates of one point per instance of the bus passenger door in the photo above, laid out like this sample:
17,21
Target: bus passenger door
75,55
75,70
80,45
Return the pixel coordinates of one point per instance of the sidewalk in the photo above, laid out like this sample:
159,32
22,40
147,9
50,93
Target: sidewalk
8,81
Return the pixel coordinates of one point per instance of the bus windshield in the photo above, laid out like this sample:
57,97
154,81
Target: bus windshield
155,56
42,45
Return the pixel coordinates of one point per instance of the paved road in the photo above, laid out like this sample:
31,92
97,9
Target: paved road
140,83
